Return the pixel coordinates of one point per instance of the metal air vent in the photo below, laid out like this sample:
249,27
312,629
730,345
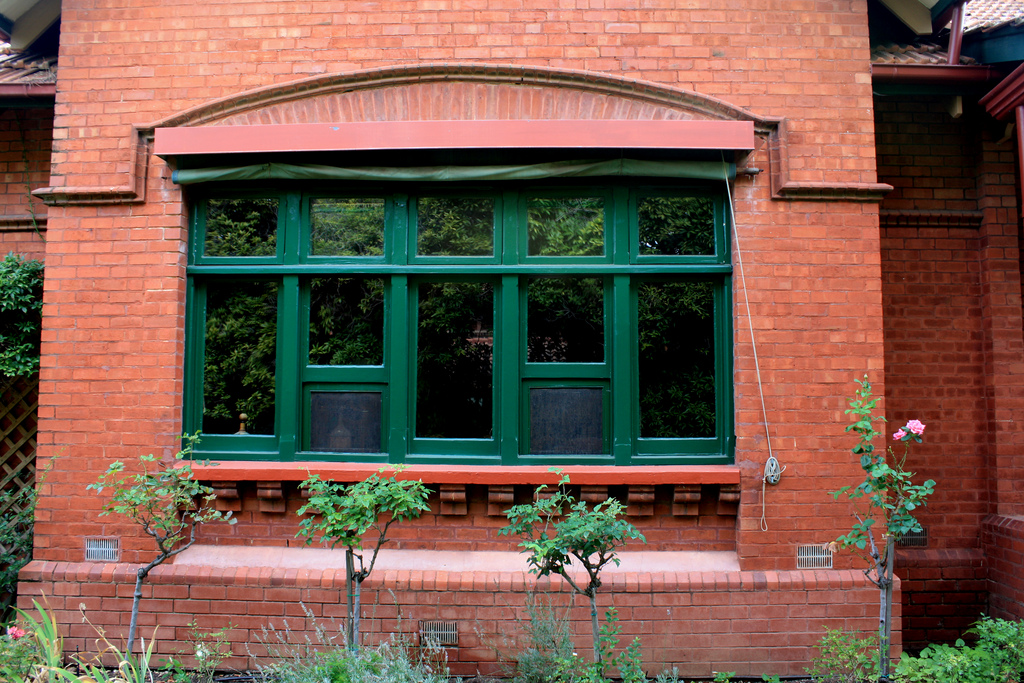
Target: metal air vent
914,539
813,557
106,549
439,633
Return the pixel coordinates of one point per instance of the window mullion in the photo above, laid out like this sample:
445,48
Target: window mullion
619,353
400,365
290,363
507,360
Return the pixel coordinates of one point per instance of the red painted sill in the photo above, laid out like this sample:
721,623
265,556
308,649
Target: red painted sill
451,474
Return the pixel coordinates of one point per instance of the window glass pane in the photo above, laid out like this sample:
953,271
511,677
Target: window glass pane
241,227
455,226
565,320
455,358
346,321
566,420
346,227
677,359
565,226
241,352
674,226
345,421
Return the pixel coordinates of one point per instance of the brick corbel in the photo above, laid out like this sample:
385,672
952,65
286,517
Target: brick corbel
686,500
640,501
784,187
729,500
271,497
132,192
453,499
227,498
592,495
499,499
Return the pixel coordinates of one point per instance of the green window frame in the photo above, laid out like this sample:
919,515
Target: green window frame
253,313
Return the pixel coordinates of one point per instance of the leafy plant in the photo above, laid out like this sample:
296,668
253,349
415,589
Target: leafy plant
21,305
16,522
129,668
891,498
293,659
32,649
573,669
558,529
167,502
344,514
208,649
529,653
844,657
997,657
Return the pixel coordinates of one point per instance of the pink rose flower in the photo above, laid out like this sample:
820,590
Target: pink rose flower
15,633
898,435
915,426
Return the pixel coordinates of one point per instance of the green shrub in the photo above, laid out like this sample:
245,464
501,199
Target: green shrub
845,657
325,658
21,305
997,657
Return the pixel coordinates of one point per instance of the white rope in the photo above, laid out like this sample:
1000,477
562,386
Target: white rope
772,473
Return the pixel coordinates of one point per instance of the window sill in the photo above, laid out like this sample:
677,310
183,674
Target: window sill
581,475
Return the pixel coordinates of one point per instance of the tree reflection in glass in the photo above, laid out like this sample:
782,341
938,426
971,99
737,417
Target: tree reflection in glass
241,352
565,226
455,357
565,320
346,227
241,227
454,226
676,226
346,321
677,359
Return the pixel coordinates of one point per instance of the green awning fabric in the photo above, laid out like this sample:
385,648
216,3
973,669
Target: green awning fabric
702,170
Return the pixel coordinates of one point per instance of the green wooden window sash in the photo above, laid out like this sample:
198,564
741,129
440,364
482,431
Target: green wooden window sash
624,267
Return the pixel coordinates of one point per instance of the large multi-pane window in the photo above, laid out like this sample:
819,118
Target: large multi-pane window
493,325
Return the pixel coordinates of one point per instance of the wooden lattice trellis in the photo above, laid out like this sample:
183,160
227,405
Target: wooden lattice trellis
19,400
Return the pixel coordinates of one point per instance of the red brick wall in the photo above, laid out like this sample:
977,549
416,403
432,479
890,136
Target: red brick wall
111,380
952,343
931,291
1003,538
25,139
748,622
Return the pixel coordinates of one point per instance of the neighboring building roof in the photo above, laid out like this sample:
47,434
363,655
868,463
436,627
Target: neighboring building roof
989,15
923,53
24,68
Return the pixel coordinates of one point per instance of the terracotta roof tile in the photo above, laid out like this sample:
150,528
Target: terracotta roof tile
988,15
24,68
924,53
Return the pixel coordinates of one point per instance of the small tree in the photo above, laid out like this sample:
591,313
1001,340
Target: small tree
346,513
891,499
166,502
558,528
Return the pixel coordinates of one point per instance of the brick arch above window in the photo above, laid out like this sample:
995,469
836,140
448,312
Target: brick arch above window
453,92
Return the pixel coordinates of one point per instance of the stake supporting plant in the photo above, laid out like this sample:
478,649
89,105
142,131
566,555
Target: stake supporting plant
341,514
891,498
559,529
167,502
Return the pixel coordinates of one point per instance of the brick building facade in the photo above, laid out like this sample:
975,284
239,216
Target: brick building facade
873,234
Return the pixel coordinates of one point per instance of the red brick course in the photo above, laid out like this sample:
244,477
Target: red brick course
727,621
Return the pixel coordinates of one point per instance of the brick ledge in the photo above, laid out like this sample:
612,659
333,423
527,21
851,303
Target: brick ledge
39,571
534,475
